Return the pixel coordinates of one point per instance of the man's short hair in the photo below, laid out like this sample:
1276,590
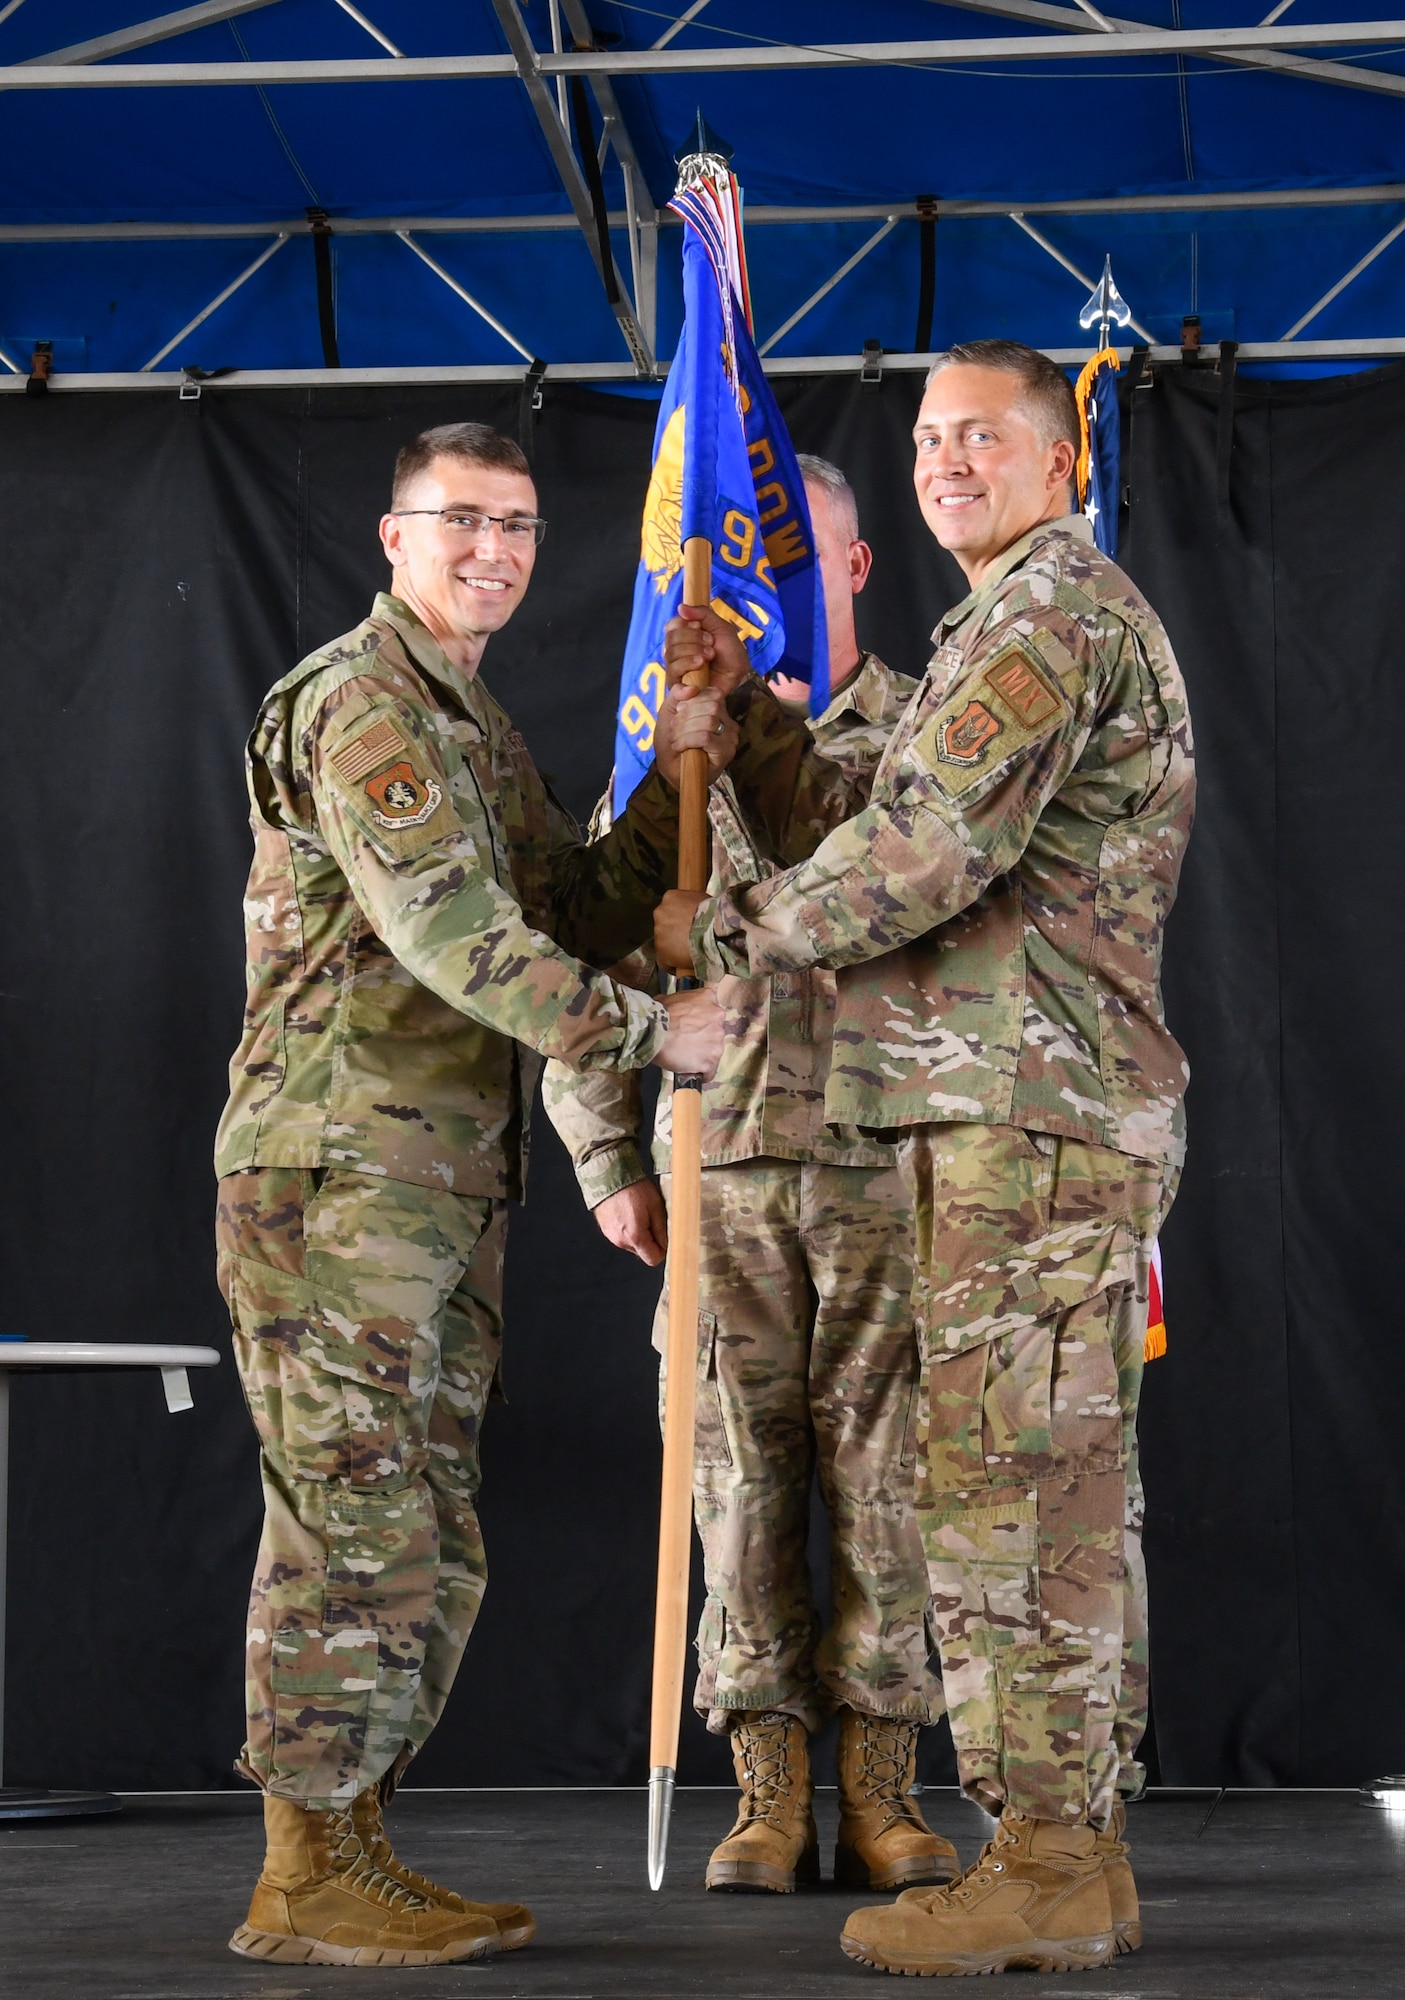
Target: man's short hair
820,472
471,444
1047,392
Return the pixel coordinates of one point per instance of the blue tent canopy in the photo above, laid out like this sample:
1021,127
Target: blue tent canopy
126,210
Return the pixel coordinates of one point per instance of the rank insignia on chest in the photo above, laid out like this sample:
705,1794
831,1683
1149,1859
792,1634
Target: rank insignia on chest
965,738
400,797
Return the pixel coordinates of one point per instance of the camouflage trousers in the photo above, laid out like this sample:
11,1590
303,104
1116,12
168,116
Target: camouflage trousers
367,1333
806,1360
1032,1257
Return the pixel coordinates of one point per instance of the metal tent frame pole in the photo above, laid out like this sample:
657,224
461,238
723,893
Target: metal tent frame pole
534,68
530,66
759,217
1350,278
1390,348
214,305
163,27
1349,76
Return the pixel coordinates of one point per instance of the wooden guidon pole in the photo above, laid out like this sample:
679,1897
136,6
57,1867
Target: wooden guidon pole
680,1391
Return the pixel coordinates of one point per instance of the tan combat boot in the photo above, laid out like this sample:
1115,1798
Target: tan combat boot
515,1923
321,1900
774,1844
1121,1889
884,1842
1037,1899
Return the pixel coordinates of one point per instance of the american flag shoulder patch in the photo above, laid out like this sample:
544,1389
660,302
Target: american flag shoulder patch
370,750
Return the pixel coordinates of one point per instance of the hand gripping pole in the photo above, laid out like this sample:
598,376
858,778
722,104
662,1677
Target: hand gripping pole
681,1352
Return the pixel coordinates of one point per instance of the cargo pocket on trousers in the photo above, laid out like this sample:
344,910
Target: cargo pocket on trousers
321,1703
983,1574
712,1637
954,1422
1016,1441
1044,1722
710,1446
1086,1403
298,1406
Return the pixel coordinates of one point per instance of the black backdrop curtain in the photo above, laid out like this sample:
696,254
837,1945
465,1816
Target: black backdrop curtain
161,563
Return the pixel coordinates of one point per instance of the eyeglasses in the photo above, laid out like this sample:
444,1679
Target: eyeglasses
516,528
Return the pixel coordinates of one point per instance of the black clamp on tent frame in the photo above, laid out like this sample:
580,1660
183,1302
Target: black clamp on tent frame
326,302
927,272
871,374
1190,341
531,403
192,377
40,364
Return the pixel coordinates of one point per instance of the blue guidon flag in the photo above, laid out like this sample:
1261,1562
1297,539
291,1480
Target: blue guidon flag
724,468
1100,460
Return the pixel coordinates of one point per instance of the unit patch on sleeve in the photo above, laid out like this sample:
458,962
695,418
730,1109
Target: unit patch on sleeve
1019,684
964,739
400,797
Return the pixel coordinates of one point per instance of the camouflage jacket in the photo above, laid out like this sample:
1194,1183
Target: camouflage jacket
414,895
996,910
767,1098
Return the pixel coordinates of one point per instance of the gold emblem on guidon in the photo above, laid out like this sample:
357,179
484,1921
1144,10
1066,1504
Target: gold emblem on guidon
661,545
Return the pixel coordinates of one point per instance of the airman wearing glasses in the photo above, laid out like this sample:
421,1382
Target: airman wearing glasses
422,918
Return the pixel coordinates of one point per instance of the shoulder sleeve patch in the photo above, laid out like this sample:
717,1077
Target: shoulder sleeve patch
391,787
1021,686
370,750
964,738
1008,705
400,797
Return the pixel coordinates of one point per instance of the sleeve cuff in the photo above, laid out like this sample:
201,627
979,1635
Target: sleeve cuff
608,1171
654,800
647,1029
719,944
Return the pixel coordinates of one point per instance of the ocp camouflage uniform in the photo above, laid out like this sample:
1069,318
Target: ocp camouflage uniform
414,898
805,1353
995,914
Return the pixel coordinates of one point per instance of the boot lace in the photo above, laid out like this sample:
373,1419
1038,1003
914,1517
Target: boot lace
767,1779
987,1866
377,1844
886,1752
360,1871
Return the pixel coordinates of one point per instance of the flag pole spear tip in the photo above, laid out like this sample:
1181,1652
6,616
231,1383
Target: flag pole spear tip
661,1782
1106,306
702,139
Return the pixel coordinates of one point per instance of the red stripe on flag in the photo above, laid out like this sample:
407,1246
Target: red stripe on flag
1154,1345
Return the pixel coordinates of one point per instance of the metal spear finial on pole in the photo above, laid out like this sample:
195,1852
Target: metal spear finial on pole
1106,307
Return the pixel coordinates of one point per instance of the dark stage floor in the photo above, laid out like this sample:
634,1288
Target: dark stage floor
1246,1897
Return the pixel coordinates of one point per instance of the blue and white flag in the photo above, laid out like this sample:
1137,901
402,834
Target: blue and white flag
1100,460
725,469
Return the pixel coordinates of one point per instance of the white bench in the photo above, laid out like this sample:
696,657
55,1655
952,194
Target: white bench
44,1357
